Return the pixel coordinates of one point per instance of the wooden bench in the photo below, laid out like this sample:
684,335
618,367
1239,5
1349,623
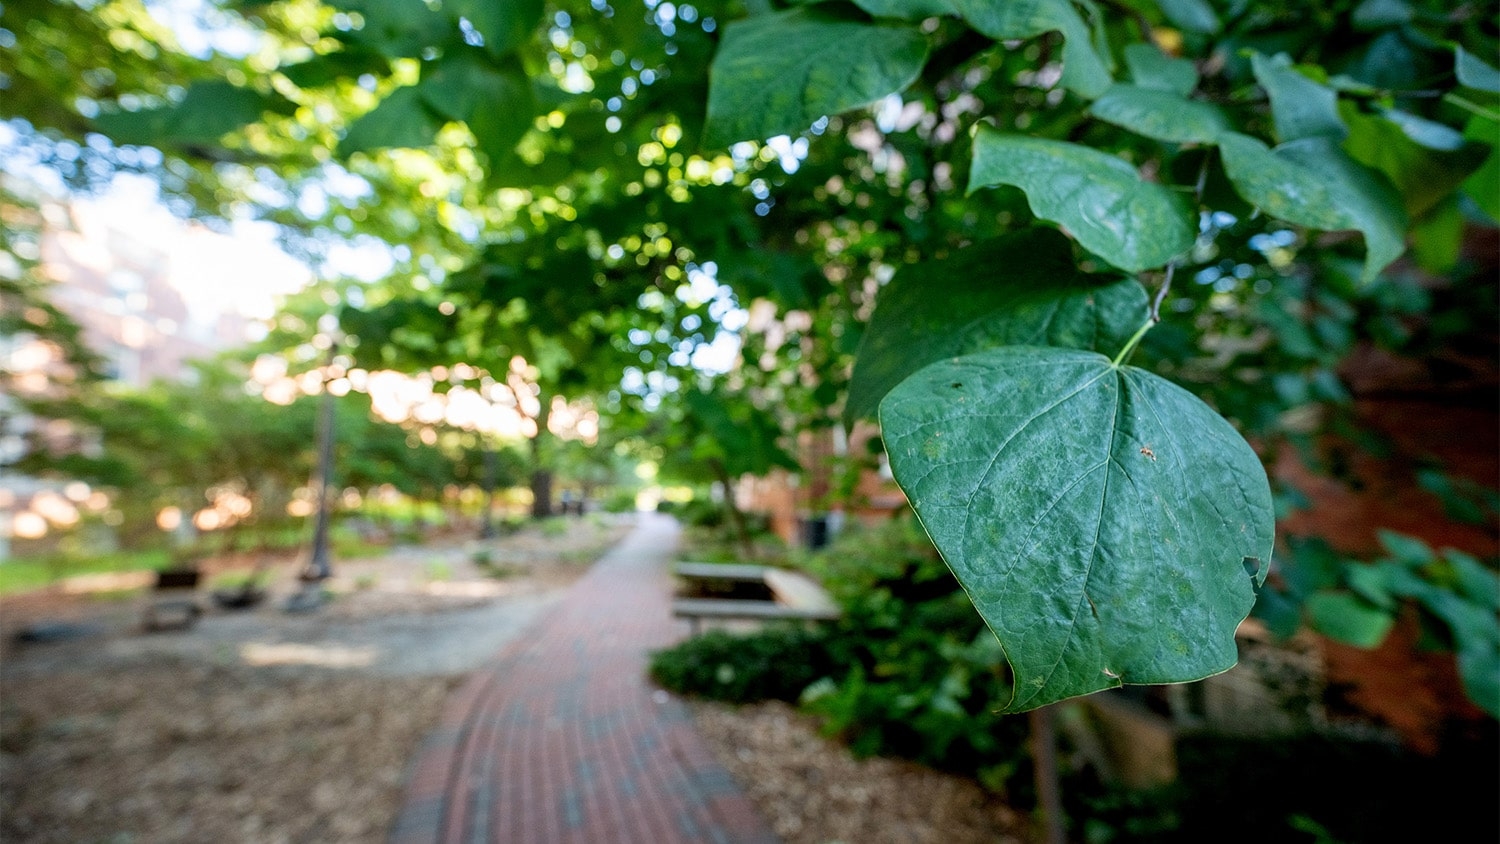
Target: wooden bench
174,600
795,596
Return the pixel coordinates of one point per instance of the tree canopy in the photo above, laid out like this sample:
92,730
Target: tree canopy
1004,230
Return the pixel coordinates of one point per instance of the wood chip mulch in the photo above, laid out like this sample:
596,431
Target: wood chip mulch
812,791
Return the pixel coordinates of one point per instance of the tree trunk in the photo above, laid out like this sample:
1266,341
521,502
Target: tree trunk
319,566
487,517
1048,788
541,480
736,517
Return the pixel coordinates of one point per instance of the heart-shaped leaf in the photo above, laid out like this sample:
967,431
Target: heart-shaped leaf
1313,183
1163,115
1101,200
1085,71
1022,289
1301,107
775,74
1110,527
402,120
1423,173
208,111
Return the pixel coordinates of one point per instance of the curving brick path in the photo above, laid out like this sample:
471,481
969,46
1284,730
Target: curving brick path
562,739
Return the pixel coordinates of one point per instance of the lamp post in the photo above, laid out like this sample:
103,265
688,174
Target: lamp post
487,518
319,564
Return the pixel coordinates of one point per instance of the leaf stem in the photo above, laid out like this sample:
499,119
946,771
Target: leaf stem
1130,344
1161,293
1472,107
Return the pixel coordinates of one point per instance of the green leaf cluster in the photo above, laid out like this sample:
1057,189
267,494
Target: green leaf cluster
1359,602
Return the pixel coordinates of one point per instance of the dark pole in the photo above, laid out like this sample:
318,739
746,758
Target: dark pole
319,567
486,520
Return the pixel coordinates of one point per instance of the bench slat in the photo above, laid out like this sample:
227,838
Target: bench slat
720,571
795,589
726,608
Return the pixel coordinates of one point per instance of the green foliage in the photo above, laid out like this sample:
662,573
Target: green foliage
777,73
927,313
1161,114
1132,223
207,112
773,664
1311,182
917,674
598,236
1359,602
908,671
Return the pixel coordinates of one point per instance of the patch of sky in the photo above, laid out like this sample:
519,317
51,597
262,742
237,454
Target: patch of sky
202,29
789,153
472,36
1271,241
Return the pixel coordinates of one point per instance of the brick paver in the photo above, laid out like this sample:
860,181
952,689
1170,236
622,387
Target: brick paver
562,739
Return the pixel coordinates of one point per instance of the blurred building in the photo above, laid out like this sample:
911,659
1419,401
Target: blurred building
152,294
127,295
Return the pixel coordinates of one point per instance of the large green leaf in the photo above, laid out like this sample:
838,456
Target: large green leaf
1479,668
494,99
1022,289
1163,115
1301,107
1313,183
1109,526
1437,237
329,68
402,119
505,24
1130,222
1423,171
775,74
398,28
208,111
1085,71
1151,68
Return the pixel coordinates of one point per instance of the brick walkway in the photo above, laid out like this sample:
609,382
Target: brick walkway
562,739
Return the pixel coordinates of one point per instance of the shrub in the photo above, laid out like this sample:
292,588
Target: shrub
910,670
619,501
774,664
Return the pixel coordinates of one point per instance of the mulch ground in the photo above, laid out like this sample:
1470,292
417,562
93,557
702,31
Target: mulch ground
812,791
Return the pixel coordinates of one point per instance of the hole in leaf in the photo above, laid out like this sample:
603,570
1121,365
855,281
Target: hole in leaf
1252,567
